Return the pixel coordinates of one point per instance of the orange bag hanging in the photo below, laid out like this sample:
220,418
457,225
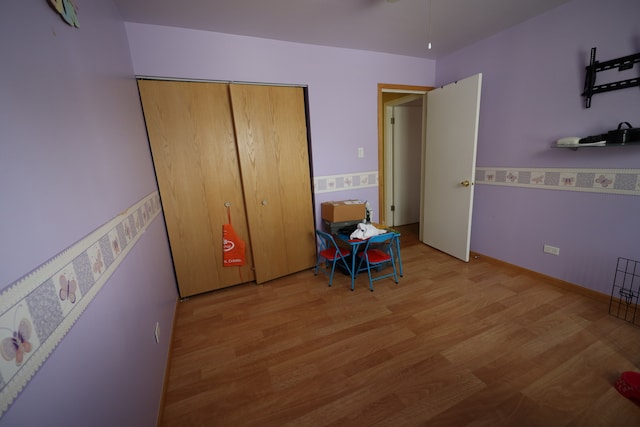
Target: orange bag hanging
232,246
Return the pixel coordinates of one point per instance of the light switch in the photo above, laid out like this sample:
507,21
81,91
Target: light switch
360,152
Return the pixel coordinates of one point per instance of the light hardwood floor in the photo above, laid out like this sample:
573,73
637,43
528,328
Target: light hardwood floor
453,344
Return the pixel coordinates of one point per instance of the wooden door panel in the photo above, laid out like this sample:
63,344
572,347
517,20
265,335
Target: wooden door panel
194,152
271,132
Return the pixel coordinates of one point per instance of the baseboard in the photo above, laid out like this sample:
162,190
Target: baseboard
167,367
547,279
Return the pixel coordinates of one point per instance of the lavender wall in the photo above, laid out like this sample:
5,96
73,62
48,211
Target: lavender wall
73,154
533,75
342,85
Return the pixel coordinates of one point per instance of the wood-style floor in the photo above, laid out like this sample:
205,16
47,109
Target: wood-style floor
454,344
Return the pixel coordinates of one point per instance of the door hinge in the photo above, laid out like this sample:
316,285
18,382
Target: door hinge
393,208
393,120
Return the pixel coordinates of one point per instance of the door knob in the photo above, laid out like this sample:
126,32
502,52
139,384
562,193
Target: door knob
465,183
264,203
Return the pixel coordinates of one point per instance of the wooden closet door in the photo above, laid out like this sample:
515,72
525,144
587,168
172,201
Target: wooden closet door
194,153
271,132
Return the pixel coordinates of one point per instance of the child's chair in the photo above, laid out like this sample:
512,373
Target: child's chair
377,252
329,251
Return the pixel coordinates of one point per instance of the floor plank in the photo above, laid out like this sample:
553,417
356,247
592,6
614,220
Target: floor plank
453,344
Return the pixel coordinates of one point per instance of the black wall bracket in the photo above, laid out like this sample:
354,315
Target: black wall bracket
623,63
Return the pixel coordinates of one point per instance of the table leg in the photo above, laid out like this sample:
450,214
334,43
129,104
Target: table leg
399,256
354,255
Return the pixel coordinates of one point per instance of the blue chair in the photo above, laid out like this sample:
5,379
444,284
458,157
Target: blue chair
330,253
378,252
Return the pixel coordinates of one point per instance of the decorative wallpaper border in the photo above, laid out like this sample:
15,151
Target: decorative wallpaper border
613,181
350,181
38,310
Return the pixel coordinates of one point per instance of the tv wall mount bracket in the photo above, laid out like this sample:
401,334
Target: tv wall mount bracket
623,63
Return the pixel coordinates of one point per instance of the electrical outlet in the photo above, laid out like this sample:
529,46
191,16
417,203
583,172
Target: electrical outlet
548,249
156,332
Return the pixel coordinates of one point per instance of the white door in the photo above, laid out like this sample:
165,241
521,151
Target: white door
403,145
449,166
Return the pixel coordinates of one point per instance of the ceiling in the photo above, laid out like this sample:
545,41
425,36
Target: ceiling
392,26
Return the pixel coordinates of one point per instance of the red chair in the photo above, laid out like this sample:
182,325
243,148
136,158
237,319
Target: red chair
329,251
377,252
629,385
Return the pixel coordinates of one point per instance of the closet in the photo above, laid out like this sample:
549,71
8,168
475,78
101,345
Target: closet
235,152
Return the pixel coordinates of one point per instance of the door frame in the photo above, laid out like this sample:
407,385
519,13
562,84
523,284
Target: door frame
402,90
390,148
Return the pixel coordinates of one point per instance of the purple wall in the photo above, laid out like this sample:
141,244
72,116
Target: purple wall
342,85
74,154
533,75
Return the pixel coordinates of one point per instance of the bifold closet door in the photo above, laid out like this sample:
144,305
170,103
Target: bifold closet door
271,133
190,128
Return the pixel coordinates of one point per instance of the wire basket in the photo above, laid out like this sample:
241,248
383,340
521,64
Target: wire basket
625,291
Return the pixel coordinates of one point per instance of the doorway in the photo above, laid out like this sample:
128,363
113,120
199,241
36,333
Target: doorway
402,95
402,159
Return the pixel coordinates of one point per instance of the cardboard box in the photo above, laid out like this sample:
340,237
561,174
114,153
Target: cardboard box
344,210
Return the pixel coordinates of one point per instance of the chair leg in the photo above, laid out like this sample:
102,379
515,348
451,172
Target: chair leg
333,269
